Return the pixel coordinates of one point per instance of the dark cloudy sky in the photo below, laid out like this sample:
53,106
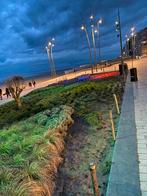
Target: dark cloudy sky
27,25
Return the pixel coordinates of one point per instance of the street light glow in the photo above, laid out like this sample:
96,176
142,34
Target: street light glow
91,17
82,27
132,29
96,31
50,43
53,39
100,21
116,22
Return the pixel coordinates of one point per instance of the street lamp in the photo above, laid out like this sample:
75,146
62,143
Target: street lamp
83,28
127,45
118,28
132,29
49,49
133,35
93,39
91,17
99,22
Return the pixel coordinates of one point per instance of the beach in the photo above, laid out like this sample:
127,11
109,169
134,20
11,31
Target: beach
44,81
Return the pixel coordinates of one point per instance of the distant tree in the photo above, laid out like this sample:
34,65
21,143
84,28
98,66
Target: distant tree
16,86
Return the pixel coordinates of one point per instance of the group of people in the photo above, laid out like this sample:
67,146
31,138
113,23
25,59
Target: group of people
33,83
7,93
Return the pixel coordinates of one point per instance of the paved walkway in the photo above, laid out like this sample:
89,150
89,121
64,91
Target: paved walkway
140,101
124,174
128,175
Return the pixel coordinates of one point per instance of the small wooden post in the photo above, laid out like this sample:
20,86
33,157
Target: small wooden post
116,103
94,179
112,125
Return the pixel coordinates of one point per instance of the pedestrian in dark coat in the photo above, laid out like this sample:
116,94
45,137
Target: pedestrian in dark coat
34,83
1,94
7,93
30,84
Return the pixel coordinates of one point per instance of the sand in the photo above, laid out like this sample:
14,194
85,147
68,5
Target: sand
46,80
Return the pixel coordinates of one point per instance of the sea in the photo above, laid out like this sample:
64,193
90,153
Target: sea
34,72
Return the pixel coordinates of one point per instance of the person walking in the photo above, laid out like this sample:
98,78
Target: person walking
30,84
1,94
7,93
34,83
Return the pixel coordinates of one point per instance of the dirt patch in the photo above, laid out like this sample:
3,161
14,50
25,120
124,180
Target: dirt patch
66,182
84,145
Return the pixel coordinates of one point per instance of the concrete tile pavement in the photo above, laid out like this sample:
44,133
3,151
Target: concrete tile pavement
128,175
140,103
124,174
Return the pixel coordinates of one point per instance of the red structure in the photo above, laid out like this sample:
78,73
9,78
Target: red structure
104,75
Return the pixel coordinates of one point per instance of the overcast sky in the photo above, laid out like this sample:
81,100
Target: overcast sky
27,25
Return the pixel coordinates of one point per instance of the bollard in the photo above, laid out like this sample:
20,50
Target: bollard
112,125
94,179
116,103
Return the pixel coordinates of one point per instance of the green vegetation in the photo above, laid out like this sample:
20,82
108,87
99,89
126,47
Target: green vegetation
49,97
32,138
26,146
90,141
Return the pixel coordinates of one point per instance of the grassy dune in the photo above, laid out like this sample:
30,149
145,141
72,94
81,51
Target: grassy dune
31,152
32,139
49,97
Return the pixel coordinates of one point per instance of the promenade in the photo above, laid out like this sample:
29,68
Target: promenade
128,175
43,82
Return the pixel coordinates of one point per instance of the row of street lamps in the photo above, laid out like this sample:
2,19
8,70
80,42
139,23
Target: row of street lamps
49,49
132,39
94,29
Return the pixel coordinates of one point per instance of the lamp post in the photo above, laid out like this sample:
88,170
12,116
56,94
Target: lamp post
127,45
99,22
93,39
49,49
118,28
83,28
133,42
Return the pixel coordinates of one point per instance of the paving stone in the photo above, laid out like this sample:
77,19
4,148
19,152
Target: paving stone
143,186
143,169
140,102
144,193
143,177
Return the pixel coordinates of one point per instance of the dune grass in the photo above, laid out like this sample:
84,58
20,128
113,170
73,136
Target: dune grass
32,139
30,151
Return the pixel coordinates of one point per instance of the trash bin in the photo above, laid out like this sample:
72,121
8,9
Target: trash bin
121,68
133,75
